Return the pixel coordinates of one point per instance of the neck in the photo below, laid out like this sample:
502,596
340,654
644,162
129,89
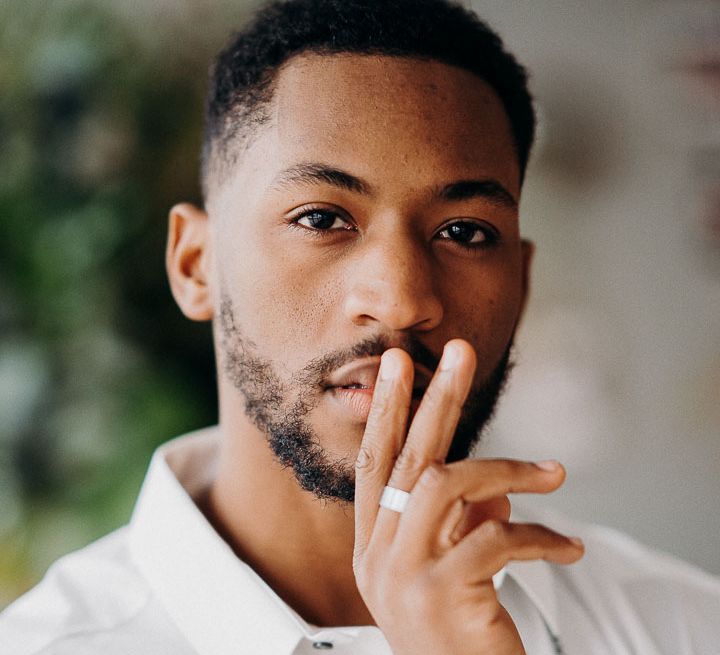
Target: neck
301,546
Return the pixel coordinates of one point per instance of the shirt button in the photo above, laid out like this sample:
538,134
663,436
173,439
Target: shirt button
322,645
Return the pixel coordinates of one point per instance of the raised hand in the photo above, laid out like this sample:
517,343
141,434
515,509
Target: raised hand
425,573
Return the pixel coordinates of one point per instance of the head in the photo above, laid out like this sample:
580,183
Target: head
362,167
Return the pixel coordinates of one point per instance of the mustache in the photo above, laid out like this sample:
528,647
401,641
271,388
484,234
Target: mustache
317,370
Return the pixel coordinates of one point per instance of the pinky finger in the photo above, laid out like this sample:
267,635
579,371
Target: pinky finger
491,545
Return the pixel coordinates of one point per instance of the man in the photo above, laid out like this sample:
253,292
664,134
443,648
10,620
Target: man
359,255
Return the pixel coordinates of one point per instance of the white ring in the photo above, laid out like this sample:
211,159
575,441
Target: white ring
394,499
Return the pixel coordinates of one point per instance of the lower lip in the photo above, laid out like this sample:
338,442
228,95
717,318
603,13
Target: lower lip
356,402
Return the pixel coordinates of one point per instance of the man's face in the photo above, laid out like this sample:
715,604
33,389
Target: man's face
376,208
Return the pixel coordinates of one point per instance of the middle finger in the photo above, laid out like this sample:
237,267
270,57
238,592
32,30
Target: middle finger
434,424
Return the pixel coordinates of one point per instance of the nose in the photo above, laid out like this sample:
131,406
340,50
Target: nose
391,283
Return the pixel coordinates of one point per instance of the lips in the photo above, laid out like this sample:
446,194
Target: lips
360,376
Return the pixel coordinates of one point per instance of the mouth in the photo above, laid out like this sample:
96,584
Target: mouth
352,386
355,386
417,392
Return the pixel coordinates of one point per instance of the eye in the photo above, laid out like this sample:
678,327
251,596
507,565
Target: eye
468,233
322,220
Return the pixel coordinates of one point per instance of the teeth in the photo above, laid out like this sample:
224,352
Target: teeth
355,386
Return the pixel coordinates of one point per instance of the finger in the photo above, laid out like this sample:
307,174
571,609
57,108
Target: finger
472,481
435,422
493,544
383,439
433,426
461,519
476,513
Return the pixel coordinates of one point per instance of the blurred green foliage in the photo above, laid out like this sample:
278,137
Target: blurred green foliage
100,118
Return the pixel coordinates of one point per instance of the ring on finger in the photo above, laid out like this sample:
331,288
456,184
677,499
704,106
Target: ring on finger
394,499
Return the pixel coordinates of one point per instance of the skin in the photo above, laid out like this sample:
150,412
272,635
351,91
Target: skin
386,270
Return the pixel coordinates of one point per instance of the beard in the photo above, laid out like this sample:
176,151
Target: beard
280,409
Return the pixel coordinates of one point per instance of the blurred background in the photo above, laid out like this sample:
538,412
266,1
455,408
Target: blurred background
618,370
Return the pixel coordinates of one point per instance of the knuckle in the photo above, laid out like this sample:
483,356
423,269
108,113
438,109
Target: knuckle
494,531
409,460
433,477
366,459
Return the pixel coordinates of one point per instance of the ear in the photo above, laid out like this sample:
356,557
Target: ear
187,260
527,253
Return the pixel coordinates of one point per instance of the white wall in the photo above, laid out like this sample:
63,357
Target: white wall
618,370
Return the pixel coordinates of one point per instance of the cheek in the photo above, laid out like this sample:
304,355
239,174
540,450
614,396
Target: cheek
282,303
485,313
301,305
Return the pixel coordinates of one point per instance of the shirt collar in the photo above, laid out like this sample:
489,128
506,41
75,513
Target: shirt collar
219,603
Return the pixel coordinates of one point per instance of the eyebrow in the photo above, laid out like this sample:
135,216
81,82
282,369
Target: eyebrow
487,189
318,173
314,173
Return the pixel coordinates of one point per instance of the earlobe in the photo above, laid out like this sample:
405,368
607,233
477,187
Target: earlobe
188,261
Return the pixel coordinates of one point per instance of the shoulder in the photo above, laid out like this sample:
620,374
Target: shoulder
617,559
87,601
646,600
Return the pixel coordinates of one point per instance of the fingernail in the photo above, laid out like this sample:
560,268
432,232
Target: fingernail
577,542
451,357
548,464
389,368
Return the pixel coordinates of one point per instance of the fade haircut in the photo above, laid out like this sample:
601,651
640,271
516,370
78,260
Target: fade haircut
242,77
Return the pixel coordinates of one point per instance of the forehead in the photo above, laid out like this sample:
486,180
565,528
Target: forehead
393,110
403,124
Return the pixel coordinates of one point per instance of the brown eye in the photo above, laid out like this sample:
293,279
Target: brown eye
323,220
467,233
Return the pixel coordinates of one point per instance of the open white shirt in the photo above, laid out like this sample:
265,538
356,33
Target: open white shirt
167,584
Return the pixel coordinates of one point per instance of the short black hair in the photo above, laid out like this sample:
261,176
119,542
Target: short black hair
241,79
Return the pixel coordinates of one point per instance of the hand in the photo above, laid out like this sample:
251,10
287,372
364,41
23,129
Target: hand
426,574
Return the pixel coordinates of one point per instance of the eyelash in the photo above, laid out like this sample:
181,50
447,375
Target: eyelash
309,211
490,234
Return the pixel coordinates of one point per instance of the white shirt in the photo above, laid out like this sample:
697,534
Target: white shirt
167,584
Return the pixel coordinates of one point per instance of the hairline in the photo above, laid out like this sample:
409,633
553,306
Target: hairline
242,137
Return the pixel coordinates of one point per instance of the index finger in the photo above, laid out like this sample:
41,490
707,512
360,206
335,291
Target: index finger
383,439
435,423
